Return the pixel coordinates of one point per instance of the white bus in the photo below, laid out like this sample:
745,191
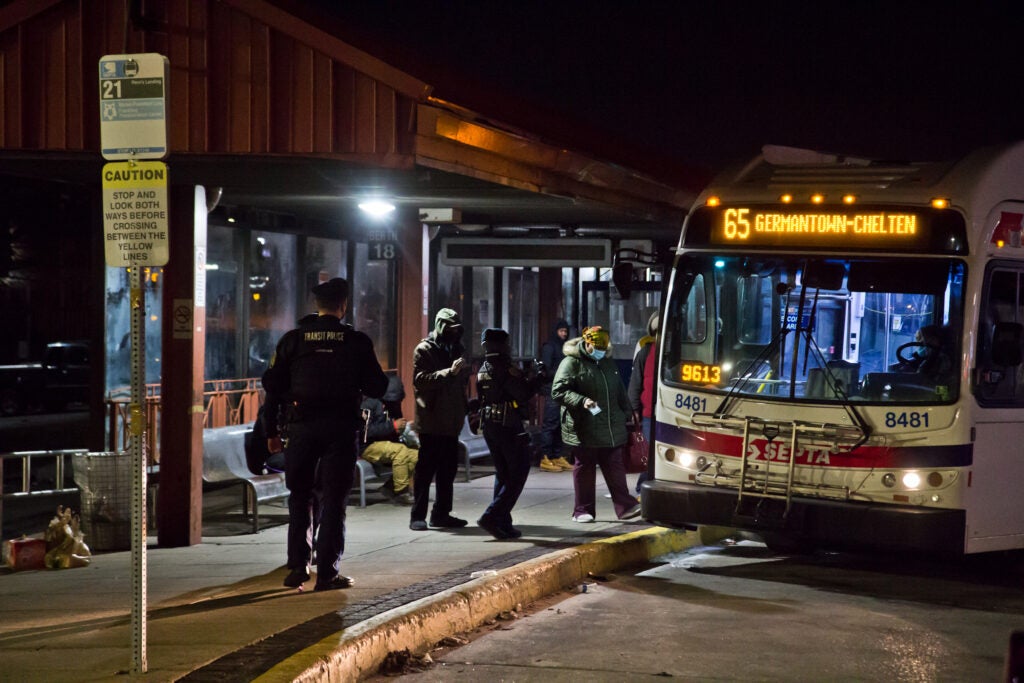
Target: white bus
840,361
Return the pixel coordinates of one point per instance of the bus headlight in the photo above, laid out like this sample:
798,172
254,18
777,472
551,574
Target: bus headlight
911,480
888,480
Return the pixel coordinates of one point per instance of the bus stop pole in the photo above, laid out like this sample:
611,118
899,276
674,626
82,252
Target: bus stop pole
137,425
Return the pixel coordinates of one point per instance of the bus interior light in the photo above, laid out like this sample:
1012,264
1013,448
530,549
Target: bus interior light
911,480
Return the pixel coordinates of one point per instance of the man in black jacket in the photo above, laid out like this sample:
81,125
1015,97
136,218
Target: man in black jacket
504,391
551,355
314,385
440,376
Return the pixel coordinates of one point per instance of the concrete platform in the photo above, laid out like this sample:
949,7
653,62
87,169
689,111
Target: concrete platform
218,610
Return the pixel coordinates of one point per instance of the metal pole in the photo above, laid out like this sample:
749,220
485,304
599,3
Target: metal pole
137,452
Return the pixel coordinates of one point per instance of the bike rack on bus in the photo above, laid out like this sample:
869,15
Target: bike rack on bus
748,483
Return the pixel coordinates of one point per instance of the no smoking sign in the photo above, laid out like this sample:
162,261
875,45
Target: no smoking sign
182,314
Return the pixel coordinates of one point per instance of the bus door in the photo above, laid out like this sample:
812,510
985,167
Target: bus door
625,319
999,390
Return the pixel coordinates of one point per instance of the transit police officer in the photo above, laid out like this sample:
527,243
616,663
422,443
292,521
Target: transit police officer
314,386
504,391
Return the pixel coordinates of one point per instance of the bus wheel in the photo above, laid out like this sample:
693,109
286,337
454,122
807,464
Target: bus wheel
788,545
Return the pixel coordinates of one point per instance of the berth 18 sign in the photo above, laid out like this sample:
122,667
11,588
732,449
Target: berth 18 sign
135,213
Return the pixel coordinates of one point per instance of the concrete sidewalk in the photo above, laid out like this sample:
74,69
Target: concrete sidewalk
218,610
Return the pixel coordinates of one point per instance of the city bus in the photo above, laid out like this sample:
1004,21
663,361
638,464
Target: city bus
840,356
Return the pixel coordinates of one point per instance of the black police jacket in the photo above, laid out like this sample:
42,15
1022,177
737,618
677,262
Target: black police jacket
505,389
322,368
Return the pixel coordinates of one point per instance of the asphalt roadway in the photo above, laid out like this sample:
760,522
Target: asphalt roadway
218,611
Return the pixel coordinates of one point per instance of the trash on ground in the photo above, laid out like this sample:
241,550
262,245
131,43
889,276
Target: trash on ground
65,543
403,661
483,573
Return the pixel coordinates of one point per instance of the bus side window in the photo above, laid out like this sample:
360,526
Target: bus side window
1006,344
1001,340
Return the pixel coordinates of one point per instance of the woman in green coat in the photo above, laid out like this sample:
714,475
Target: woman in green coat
594,409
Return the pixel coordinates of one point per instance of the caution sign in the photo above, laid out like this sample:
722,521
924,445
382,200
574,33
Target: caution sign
135,213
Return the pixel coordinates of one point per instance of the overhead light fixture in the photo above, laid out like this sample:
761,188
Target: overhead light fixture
378,208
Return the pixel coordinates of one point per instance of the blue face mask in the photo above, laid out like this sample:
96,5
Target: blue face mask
597,354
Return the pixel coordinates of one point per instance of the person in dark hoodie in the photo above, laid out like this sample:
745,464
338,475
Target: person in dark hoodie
313,387
504,390
382,440
594,413
551,356
440,376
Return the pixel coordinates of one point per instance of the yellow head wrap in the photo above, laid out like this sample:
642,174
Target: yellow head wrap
597,337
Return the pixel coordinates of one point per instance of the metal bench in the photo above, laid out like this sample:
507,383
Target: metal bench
224,462
368,472
472,446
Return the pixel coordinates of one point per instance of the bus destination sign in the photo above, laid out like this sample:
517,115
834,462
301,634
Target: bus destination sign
899,228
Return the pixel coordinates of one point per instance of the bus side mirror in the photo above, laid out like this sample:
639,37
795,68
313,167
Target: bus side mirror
1006,344
622,278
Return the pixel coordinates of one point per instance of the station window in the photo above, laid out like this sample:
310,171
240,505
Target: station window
521,287
484,307
373,302
271,296
325,259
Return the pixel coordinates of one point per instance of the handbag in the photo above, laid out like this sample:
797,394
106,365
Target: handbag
636,453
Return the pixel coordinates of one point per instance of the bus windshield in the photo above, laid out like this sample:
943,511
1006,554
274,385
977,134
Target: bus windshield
814,328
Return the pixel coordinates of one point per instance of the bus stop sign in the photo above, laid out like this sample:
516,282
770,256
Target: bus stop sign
133,106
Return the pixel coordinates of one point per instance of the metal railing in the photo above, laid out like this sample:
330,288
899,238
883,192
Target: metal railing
225,402
26,458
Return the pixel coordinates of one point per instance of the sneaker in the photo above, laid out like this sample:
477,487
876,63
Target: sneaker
549,465
631,512
337,583
447,522
512,531
563,463
418,525
296,577
493,528
403,498
584,518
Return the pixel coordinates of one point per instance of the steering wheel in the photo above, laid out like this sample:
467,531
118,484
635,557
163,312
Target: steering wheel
935,359
909,360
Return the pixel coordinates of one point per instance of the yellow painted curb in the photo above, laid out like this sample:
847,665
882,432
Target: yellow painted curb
358,652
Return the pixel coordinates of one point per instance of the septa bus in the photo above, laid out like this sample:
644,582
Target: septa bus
840,355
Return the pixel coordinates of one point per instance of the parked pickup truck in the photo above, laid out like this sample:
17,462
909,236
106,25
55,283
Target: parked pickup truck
62,377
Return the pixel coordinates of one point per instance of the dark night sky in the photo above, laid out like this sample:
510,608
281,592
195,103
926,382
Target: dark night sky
666,86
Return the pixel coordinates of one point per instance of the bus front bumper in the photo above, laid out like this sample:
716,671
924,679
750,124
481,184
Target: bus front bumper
840,525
